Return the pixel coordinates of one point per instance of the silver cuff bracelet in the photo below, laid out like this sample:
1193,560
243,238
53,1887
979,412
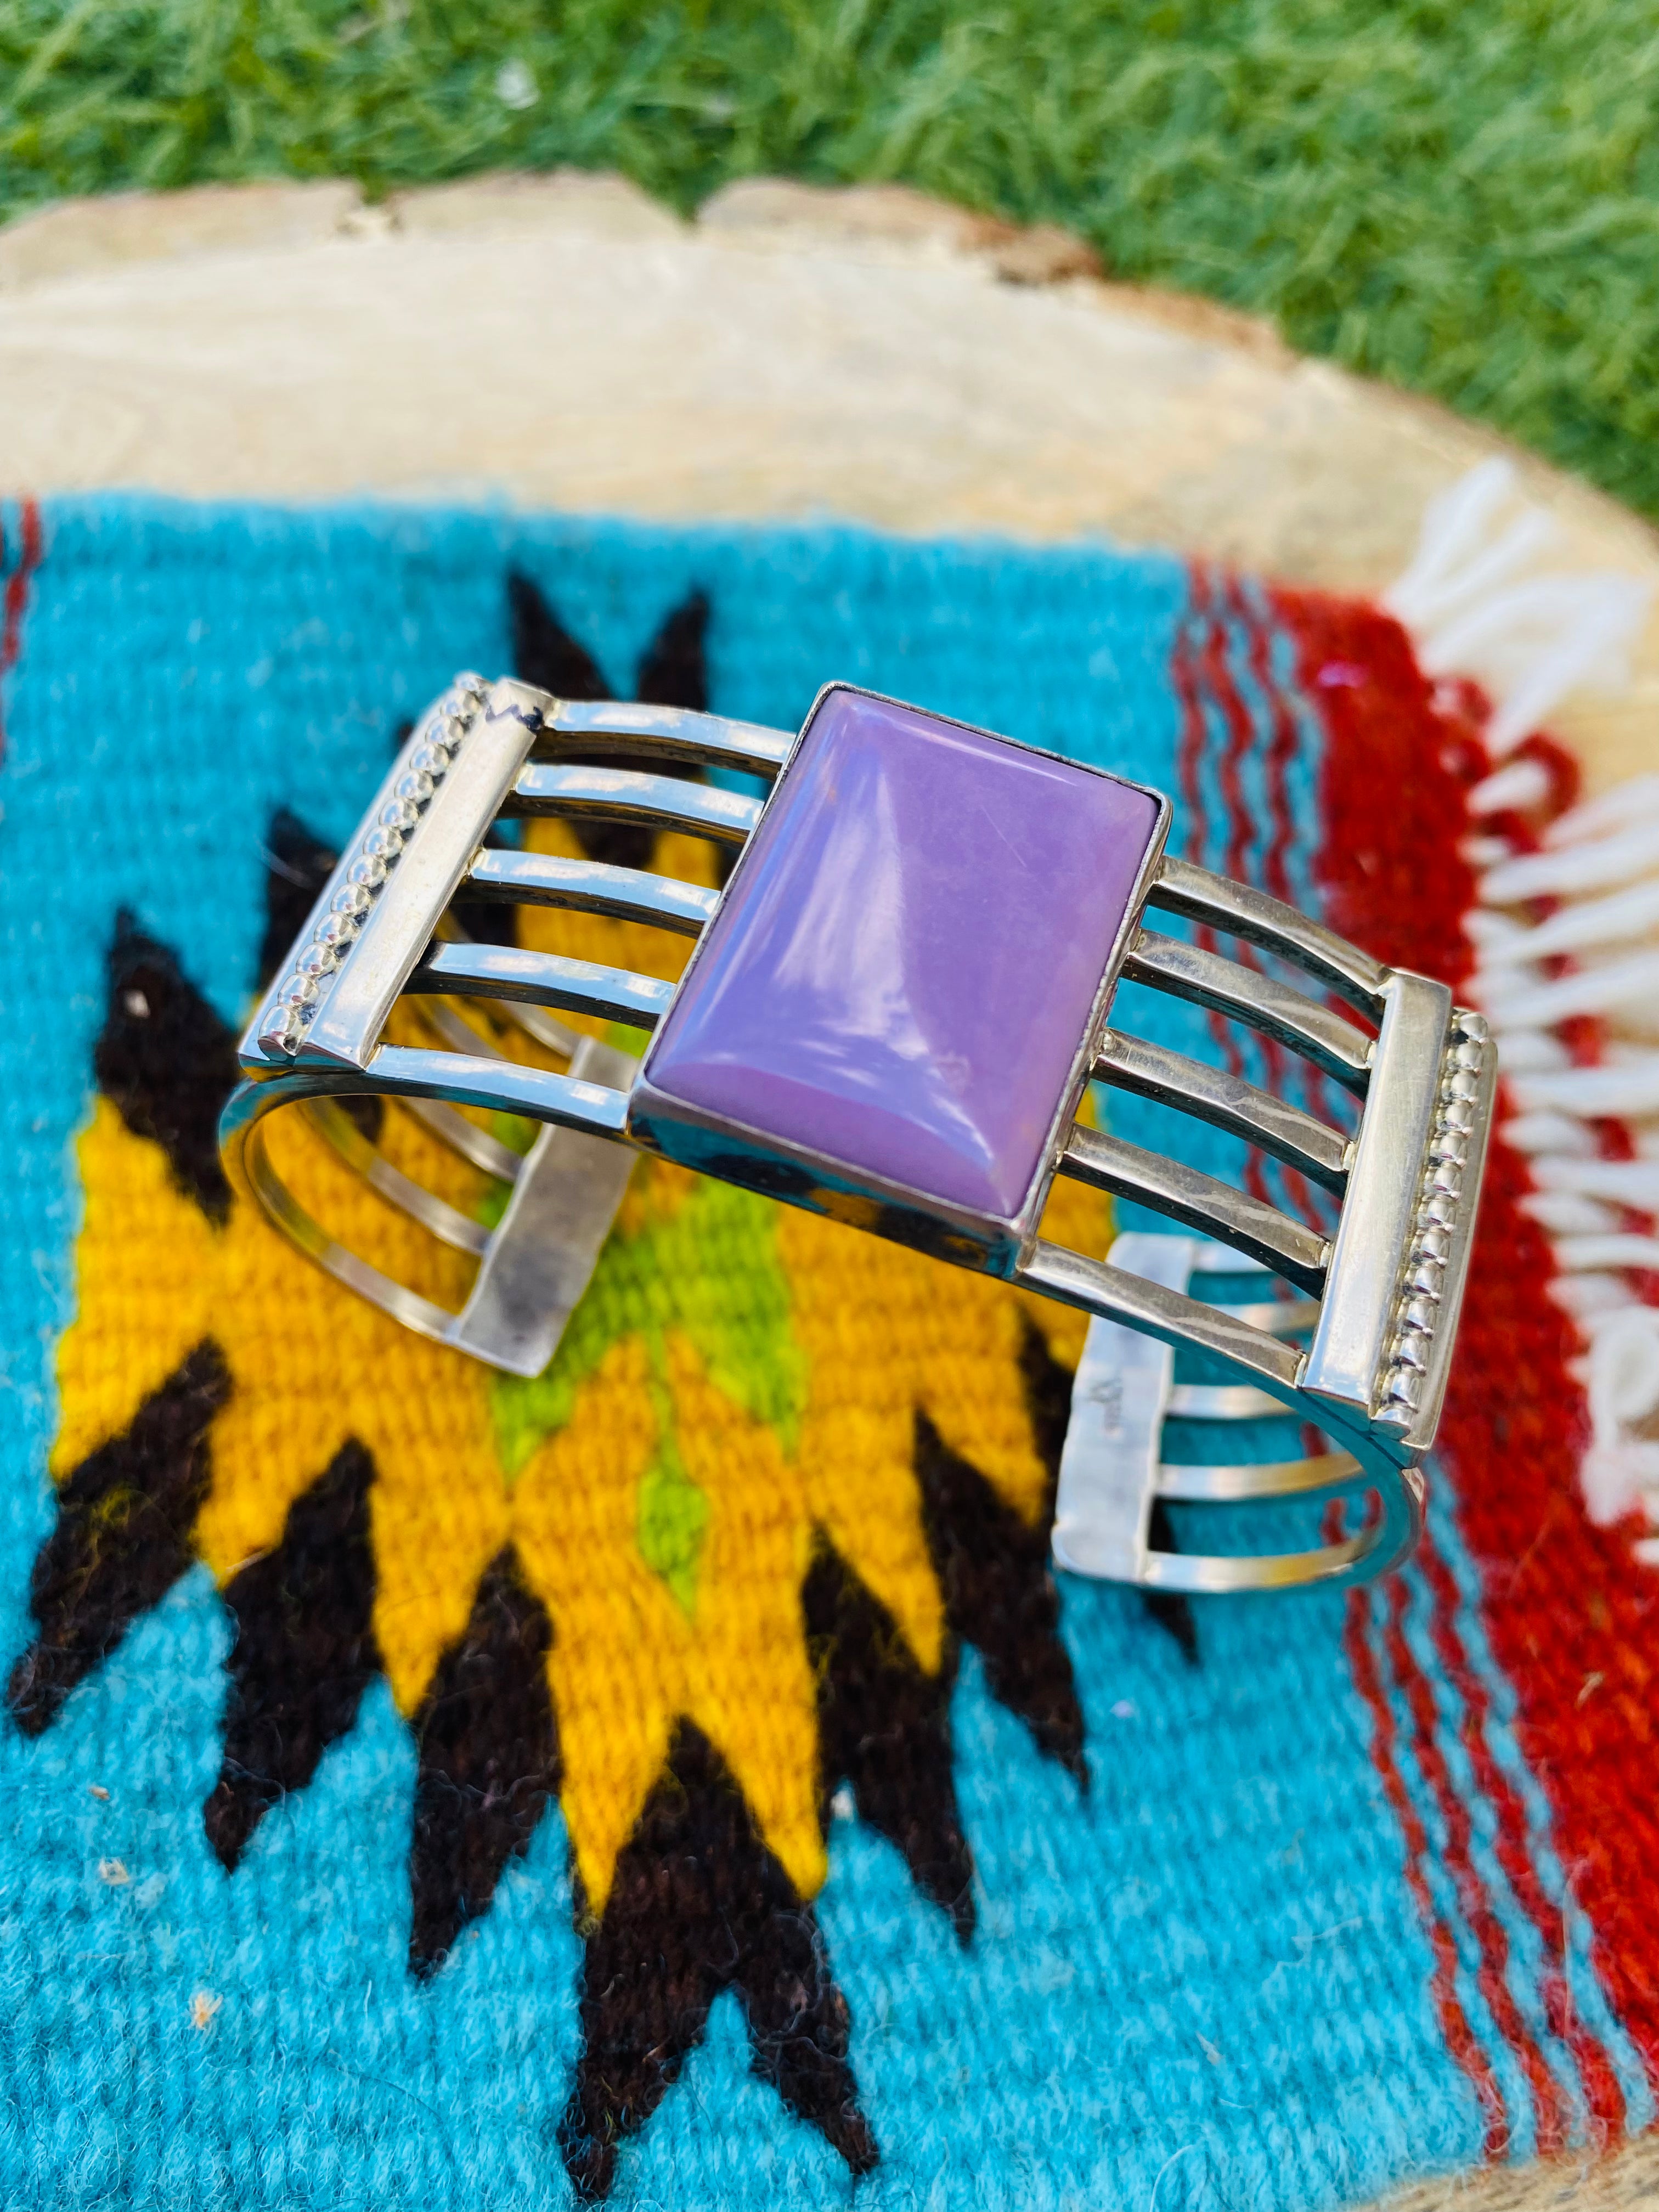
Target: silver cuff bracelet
892,1015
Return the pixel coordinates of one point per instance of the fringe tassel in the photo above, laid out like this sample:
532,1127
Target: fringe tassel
1566,934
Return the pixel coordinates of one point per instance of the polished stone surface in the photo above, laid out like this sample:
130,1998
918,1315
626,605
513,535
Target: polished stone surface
907,957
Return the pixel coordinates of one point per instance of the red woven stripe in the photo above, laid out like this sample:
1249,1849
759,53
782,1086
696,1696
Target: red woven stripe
1241,826
1606,2099
1549,2114
17,598
1240,733
1569,1614
1461,2039
1190,752
1201,663
1281,751
1281,747
1564,1602
1194,661
1392,794
1207,663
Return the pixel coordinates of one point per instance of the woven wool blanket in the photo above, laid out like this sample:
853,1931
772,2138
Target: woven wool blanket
682,1779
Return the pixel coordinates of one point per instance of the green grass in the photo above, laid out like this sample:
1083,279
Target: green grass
1461,196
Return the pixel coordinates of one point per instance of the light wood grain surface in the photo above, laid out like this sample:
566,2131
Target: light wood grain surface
565,342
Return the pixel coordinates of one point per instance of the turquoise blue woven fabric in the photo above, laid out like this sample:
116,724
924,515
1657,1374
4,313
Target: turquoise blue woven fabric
1201,1977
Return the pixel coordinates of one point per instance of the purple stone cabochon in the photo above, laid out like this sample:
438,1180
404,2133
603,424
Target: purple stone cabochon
907,957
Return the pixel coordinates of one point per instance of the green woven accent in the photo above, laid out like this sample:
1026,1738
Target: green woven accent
516,1131
712,1271
673,1513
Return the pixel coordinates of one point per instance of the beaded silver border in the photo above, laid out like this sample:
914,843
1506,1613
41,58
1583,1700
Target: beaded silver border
1440,1200
361,873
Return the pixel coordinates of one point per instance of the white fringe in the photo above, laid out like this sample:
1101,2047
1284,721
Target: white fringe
1529,637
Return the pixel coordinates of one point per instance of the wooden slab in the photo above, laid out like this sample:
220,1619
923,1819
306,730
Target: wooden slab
566,342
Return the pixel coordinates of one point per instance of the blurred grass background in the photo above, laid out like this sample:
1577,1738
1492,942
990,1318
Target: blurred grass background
1463,199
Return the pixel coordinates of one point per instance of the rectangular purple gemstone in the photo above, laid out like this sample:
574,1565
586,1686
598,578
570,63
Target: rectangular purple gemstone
908,955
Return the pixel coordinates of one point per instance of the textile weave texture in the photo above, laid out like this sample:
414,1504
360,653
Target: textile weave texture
680,1779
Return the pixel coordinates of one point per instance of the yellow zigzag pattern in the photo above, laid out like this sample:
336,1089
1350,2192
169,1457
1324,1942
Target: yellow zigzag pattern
882,1333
